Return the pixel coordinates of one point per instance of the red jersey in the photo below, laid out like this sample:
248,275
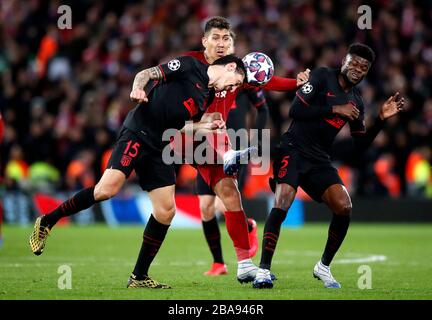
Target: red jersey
224,101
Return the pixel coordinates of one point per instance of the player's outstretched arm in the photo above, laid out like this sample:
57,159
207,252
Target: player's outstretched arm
287,84
392,106
141,79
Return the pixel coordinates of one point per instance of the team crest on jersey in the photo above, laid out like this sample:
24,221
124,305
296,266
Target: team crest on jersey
307,88
174,64
125,160
282,173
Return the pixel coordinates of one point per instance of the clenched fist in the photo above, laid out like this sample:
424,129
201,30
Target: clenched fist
138,95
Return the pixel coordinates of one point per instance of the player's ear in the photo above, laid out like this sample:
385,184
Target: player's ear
231,66
204,41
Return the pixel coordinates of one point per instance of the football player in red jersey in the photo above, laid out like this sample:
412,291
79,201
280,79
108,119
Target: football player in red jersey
217,41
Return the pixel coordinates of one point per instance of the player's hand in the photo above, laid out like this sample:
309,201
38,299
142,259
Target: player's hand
215,125
208,126
392,106
303,77
347,110
220,124
210,117
138,95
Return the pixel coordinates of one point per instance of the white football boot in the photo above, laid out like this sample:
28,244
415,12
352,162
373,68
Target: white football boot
233,159
263,279
322,272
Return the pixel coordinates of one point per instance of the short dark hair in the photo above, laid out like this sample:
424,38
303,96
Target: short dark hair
217,22
363,51
232,58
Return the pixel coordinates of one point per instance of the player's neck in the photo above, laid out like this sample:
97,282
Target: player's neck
208,58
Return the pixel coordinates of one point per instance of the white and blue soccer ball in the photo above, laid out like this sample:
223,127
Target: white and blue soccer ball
259,68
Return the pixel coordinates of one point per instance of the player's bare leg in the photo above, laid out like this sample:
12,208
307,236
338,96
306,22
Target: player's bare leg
284,197
108,186
154,234
338,200
212,234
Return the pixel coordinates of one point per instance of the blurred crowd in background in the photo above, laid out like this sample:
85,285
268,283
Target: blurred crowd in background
65,93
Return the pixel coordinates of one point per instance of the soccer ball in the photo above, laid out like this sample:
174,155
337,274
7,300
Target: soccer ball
259,68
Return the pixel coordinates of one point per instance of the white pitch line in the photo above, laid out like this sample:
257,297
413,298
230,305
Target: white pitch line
371,258
350,257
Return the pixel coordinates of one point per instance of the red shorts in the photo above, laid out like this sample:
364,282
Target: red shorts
185,145
212,174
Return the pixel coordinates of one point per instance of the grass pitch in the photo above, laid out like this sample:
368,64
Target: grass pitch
101,259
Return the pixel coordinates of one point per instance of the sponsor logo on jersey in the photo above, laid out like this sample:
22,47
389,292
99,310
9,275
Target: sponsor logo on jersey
221,94
336,122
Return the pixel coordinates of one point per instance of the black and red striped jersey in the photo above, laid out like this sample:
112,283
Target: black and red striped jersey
181,95
314,126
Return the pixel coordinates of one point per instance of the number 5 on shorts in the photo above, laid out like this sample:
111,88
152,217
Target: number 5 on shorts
283,170
284,162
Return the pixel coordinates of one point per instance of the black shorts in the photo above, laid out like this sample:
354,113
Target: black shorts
201,187
313,176
131,153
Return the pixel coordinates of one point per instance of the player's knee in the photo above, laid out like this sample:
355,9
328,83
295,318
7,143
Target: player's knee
207,211
164,214
283,200
104,191
343,208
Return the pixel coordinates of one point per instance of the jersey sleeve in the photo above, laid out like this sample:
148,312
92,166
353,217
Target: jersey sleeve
357,126
176,68
305,104
280,84
310,90
256,97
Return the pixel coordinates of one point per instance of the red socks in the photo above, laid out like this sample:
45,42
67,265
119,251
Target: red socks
238,231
